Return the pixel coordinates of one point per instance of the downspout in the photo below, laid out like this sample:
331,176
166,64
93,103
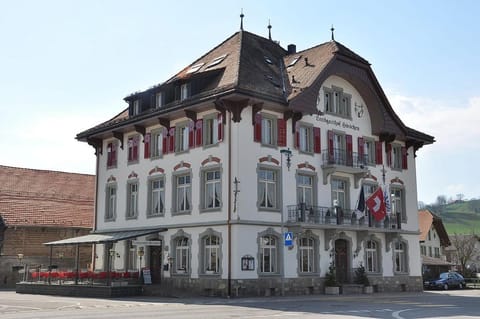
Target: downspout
94,250
229,217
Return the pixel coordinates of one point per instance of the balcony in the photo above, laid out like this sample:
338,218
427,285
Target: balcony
340,160
305,215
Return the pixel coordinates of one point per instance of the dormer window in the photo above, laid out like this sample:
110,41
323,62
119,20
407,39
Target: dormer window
136,107
159,100
184,91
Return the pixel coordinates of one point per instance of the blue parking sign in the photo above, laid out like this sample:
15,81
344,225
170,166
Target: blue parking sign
288,236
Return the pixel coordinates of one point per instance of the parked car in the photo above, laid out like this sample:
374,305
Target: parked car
446,280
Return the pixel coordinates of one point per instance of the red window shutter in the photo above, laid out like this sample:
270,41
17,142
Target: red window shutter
198,133
349,142
191,134
378,153
257,128
109,154
165,141
171,140
146,145
331,151
114,154
316,140
388,146
361,152
404,158
282,132
220,126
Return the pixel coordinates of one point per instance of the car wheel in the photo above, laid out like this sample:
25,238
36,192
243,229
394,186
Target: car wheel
445,286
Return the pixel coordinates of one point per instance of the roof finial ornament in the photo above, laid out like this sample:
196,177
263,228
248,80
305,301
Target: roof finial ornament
269,30
241,19
332,29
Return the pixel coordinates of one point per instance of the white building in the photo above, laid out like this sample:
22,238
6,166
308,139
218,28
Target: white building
196,173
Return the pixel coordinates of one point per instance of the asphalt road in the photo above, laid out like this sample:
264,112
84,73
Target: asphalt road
439,304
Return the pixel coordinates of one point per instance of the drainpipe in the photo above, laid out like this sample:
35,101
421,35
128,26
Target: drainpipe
229,225
94,250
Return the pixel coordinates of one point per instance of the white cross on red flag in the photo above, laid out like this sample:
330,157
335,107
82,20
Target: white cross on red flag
376,205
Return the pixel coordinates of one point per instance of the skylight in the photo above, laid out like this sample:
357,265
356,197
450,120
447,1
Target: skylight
295,59
268,60
216,61
195,68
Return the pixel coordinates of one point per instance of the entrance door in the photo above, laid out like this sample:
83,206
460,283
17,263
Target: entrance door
156,263
341,260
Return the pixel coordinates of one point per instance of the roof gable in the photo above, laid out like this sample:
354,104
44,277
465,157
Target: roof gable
427,220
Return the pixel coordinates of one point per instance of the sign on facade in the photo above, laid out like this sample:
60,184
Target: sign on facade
288,236
147,243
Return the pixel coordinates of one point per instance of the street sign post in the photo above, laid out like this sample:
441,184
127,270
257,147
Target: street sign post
288,236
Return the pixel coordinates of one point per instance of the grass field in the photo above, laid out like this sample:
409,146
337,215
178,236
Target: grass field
460,217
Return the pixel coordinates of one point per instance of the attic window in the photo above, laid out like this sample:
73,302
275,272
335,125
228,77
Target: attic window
268,60
195,68
294,61
216,61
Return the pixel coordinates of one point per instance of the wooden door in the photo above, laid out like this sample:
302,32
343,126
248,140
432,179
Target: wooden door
341,260
156,264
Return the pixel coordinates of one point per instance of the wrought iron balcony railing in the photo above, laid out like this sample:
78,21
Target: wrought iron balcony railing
343,157
318,215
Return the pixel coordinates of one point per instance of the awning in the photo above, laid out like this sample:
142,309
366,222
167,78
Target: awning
107,237
431,261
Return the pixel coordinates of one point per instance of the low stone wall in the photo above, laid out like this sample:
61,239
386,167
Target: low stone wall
79,290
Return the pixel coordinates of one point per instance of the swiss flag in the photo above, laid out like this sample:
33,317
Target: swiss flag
376,205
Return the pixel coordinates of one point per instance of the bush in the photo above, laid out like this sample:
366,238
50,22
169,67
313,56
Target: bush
361,276
330,278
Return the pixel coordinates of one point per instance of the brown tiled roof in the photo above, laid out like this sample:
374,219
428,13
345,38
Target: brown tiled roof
30,197
427,219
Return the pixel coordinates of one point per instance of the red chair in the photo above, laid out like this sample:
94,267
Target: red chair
35,275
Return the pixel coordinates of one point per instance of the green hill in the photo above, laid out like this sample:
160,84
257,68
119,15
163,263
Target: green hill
461,217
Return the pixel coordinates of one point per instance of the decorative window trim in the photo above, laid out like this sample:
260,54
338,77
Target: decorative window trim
157,136
379,264
129,198
201,243
150,181
406,257
316,254
173,243
313,175
279,253
175,210
399,187
203,171
346,180
278,194
108,187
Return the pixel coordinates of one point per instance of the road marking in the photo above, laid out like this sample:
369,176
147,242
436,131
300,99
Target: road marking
396,314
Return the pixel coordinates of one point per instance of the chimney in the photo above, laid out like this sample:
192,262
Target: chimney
291,49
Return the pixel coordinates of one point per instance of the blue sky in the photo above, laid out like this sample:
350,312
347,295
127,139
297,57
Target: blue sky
67,65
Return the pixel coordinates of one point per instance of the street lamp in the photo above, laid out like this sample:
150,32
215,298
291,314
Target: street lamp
140,253
20,258
288,153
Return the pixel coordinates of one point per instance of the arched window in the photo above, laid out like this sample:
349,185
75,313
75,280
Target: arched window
211,259
307,254
268,254
371,256
400,257
182,253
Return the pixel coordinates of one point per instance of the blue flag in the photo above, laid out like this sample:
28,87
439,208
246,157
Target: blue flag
360,210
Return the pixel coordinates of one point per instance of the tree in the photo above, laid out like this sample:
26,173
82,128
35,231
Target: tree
466,248
441,200
460,197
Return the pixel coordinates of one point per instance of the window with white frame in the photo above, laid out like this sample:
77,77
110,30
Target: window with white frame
400,256
182,255
159,99
182,193
112,154
156,143
211,188
398,202
136,107
340,189
210,130
111,202
337,102
268,254
268,188
371,256
396,156
369,151
181,137
156,196
132,199
305,138
184,91
268,130
211,254
430,251
423,250
305,190
307,254
131,256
